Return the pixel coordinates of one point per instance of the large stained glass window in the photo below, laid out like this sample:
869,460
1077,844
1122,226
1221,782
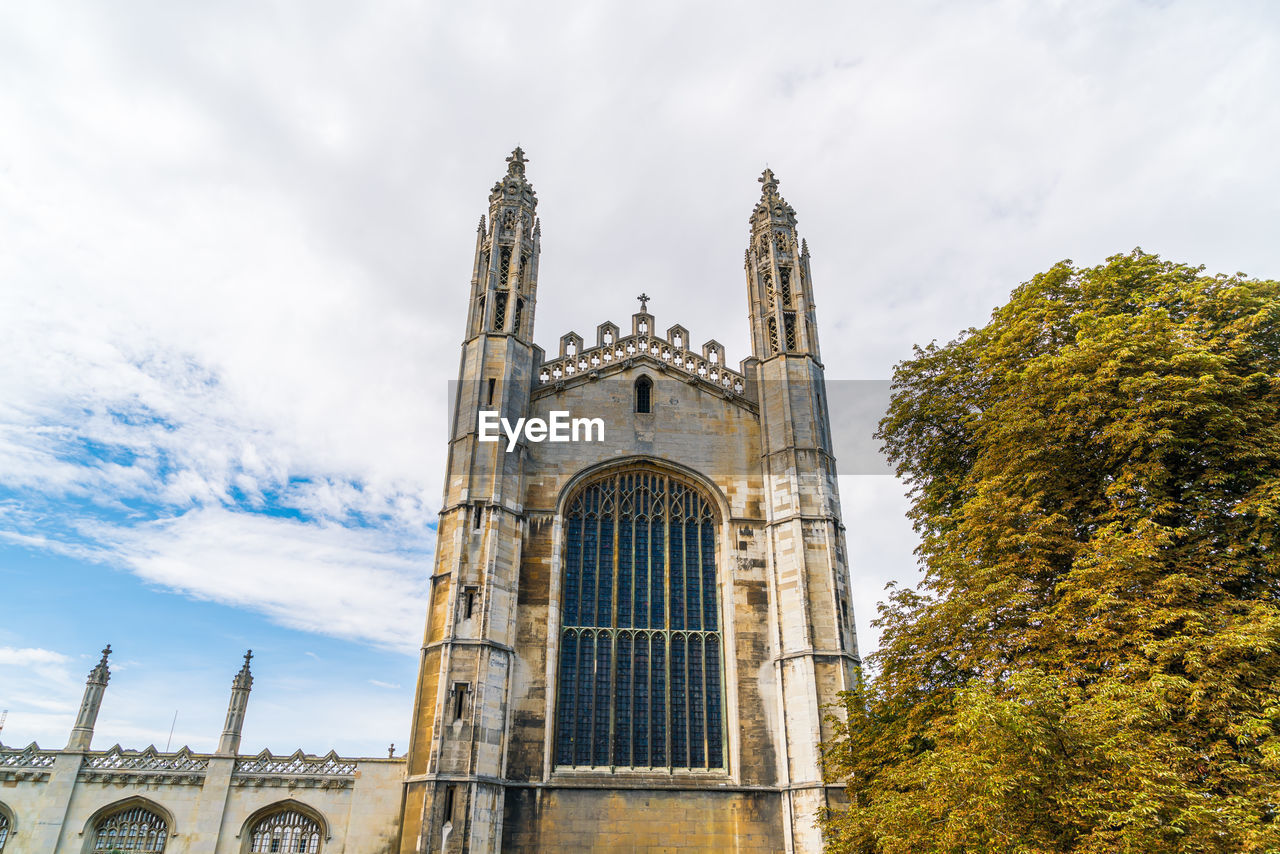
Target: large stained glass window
640,682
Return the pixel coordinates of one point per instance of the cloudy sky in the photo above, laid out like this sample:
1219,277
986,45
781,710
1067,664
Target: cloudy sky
236,238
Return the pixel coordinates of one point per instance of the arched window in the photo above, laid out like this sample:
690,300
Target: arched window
133,829
644,395
4,828
286,831
640,681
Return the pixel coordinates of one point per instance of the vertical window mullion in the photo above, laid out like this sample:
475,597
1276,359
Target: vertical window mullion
706,705
613,625
666,614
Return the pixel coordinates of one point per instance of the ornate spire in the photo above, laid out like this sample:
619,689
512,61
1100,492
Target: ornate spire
770,182
772,208
229,743
513,188
101,674
515,163
244,679
94,687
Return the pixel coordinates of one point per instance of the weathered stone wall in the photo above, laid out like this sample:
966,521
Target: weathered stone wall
616,821
714,439
209,812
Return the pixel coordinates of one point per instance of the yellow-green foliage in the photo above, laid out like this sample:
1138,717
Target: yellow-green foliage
1092,663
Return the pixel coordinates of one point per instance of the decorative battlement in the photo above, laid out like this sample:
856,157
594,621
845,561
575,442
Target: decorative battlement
611,348
26,763
299,769
117,765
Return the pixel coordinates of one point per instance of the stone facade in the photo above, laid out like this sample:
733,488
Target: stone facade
483,768
719,626
61,801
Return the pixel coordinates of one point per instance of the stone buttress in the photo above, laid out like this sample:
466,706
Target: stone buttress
815,648
457,754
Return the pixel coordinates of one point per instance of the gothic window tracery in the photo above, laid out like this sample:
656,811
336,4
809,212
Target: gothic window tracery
499,312
285,831
504,267
641,674
773,334
789,320
515,320
4,829
784,280
135,829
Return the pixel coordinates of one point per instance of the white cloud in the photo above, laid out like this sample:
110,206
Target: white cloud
40,692
238,237
44,660
334,581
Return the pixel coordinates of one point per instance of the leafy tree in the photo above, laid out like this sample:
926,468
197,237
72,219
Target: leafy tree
1092,661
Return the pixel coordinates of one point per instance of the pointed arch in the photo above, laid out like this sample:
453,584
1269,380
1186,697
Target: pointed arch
139,823
8,825
641,676
644,394
285,822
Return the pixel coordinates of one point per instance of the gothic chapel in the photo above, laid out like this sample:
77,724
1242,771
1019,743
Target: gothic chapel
629,644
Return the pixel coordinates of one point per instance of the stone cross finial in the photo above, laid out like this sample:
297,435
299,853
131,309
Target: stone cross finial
769,180
248,656
644,301
391,751
515,163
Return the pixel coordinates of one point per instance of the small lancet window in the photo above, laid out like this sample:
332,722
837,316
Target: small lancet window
500,313
460,690
468,602
489,397
644,395
515,321
448,803
504,267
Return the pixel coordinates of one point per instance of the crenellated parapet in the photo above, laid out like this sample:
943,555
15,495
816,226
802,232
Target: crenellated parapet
672,351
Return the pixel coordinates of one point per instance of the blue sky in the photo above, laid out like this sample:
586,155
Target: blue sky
235,243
